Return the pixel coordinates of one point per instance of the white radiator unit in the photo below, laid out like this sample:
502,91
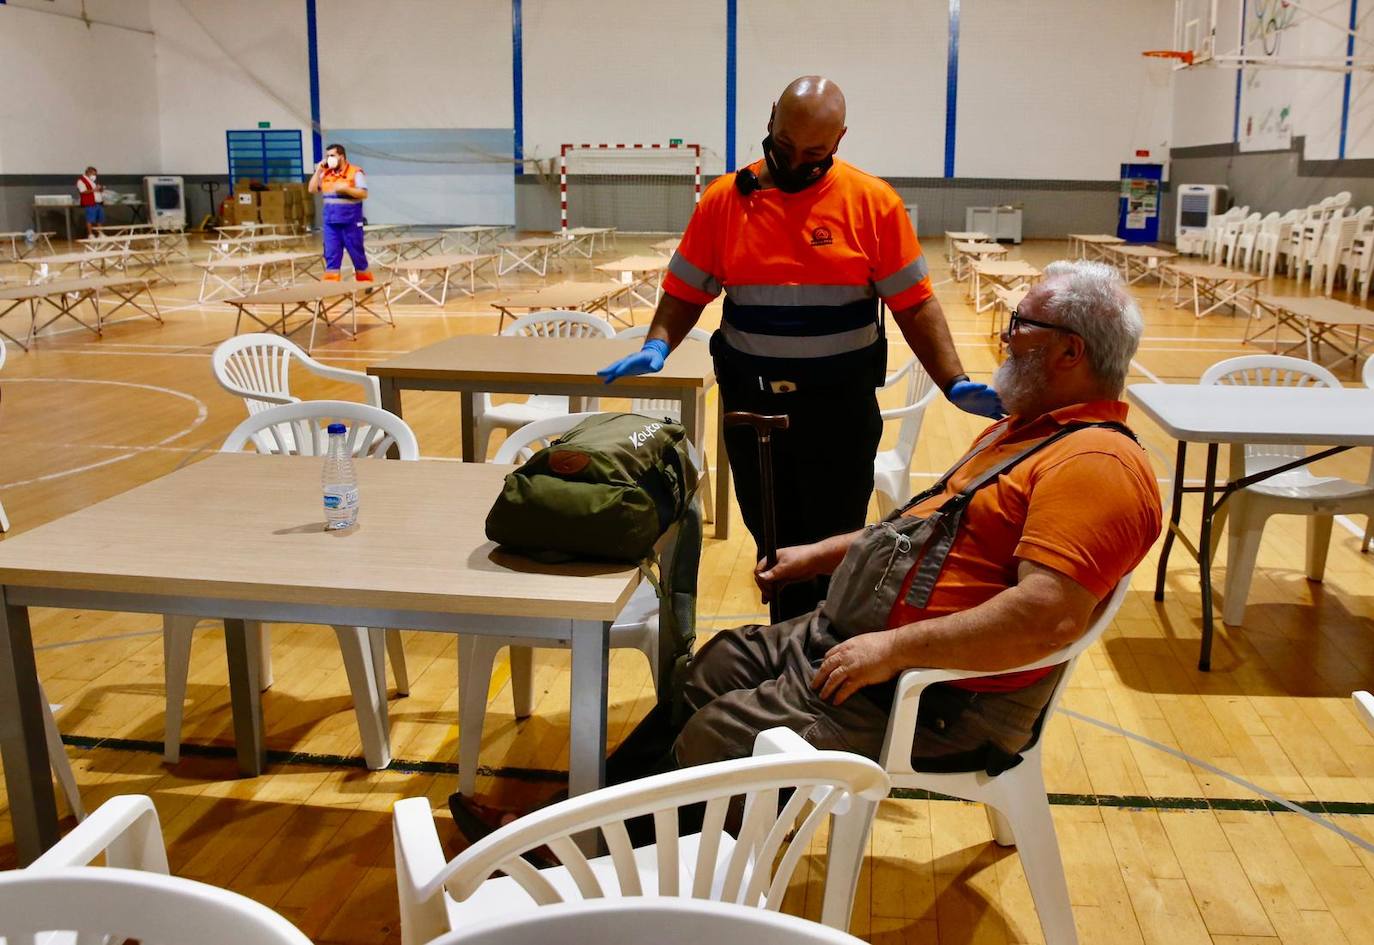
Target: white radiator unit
1196,202
166,197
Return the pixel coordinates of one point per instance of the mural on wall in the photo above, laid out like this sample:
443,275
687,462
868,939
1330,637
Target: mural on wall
1266,119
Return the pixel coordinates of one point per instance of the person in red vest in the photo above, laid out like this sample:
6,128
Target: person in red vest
92,198
345,188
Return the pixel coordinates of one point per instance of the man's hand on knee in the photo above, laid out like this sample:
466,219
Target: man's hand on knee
864,660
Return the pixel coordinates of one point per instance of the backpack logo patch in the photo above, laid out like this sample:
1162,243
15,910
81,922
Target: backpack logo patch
640,437
820,236
568,463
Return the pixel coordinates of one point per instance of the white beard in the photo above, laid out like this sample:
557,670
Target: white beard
1021,380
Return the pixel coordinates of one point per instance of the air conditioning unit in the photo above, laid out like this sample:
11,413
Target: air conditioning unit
166,197
1196,203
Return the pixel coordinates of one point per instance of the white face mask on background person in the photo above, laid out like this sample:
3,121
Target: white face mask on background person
91,178
333,161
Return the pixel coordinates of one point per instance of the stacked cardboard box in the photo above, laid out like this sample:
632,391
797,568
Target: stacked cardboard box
272,205
242,208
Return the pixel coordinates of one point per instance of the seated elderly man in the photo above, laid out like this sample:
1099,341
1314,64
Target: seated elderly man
1000,564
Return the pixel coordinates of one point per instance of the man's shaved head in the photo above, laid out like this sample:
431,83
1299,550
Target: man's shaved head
807,122
812,98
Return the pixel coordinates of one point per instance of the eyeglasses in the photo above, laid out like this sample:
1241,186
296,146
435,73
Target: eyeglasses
1017,320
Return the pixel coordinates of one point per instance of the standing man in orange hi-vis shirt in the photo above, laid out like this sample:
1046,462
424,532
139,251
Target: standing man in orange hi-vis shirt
805,246
345,188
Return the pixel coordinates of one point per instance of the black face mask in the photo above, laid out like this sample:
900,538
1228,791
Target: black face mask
791,180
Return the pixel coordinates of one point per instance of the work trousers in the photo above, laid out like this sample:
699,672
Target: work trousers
341,236
754,678
822,469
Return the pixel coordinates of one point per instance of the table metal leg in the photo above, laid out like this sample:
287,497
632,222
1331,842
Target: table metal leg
587,706
1175,510
469,418
245,696
23,744
1204,662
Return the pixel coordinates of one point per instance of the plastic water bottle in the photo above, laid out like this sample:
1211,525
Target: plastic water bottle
340,481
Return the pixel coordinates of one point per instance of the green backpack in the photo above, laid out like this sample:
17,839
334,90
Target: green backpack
609,488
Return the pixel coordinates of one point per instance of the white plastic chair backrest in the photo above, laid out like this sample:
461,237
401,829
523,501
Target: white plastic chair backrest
4,352
1270,370
897,758
560,324
1251,223
661,407
1369,373
257,368
300,429
752,873
1339,202
920,392
155,909
656,919
519,445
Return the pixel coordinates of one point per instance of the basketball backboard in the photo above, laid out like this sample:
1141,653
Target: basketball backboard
1195,23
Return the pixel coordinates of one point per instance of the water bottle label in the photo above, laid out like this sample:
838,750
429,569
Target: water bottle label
339,499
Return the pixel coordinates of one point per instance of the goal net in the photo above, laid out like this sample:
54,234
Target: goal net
636,188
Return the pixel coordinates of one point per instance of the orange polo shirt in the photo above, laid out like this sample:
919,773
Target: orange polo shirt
1086,506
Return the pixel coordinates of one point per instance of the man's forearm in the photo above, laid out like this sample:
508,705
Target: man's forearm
926,331
673,319
1024,623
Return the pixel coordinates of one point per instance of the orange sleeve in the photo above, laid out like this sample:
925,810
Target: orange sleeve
1092,517
694,274
900,272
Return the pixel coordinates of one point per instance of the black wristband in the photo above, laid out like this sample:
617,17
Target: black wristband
952,381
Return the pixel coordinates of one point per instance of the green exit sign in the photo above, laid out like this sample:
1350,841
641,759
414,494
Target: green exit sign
675,141
264,124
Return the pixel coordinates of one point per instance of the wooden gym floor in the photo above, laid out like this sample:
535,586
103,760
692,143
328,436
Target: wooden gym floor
1154,770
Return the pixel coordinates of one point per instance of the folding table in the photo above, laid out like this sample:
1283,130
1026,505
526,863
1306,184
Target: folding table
476,239
1007,273
44,268
581,240
1216,284
966,253
1317,320
531,253
246,275
1137,262
318,300
1214,414
642,277
16,237
396,248
429,274
1083,244
64,295
571,296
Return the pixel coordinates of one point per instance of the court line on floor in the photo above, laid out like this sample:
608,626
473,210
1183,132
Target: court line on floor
1269,804
202,413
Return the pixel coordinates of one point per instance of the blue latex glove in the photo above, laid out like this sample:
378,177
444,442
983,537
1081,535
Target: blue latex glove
647,360
972,397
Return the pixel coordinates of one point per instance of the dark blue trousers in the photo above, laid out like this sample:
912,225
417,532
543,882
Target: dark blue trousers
341,236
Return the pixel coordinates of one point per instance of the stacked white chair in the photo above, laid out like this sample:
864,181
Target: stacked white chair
1292,245
1271,240
892,468
1359,262
1216,230
1246,245
747,868
1336,250
672,408
297,428
514,415
1018,807
61,898
1237,231
635,628
1296,492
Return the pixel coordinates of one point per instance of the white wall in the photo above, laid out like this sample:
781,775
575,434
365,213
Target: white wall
624,72
77,94
889,57
223,66
1058,89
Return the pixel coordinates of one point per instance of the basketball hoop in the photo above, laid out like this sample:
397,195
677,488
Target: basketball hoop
1184,56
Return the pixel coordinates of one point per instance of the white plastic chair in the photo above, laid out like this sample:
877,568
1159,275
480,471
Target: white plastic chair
635,628
1296,492
1018,807
1237,231
130,898
1248,240
657,919
672,408
1338,242
371,433
1269,241
842,788
1217,226
513,416
1309,235
892,468
1364,707
1369,523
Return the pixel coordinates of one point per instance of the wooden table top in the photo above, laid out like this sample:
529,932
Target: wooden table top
512,358
254,240
412,240
533,242
1105,238
307,292
40,290
981,249
967,236
666,246
560,295
258,259
1208,272
476,228
1005,267
1143,252
439,261
590,230
636,264
1320,309
419,544
66,259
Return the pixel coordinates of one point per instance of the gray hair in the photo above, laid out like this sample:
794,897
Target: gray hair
1090,299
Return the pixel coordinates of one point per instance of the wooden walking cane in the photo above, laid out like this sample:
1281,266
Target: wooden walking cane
763,426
